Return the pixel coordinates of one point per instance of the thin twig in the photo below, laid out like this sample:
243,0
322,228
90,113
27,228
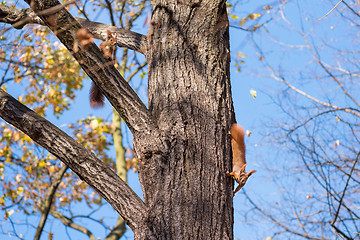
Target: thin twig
343,193
330,10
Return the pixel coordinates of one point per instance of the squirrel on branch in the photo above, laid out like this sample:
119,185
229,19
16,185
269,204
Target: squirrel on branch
107,47
239,161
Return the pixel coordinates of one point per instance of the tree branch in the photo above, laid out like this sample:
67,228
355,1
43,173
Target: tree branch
107,78
83,162
18,18
118,230
46,204
125,38
69,222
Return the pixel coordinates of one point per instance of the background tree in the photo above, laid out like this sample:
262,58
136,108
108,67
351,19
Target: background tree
181,138
312,166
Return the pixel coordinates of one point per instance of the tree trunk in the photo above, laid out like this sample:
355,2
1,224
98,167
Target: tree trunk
186,190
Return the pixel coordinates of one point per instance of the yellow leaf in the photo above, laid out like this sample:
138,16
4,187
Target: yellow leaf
234,17
20,190
18,177
253,16
248,133
51,236
94,124
8,213
42,164
253,93
243,21
240,55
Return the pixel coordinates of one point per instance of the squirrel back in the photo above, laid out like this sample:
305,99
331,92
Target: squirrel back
237,134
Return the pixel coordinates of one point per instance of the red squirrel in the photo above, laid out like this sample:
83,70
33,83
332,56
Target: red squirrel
108,49
239,162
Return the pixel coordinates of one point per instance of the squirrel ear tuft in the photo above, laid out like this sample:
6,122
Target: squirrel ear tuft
250,173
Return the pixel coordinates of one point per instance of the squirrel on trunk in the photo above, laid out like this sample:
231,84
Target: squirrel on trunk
107,47
239,162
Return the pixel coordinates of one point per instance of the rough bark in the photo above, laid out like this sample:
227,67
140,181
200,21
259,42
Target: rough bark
187,192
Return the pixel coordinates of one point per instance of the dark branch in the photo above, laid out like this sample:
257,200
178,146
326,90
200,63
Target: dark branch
18,18
84,163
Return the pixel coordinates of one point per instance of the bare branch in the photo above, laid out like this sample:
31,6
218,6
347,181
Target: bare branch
84,163
330,10
132,74
344,191
352,10
287,229
348,110
68,222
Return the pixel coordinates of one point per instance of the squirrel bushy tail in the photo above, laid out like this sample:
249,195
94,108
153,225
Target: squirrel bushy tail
107,47
96,96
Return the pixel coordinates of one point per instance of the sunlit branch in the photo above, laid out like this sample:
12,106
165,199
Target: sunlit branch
312,118
280,79
331,10
355,112
18,18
